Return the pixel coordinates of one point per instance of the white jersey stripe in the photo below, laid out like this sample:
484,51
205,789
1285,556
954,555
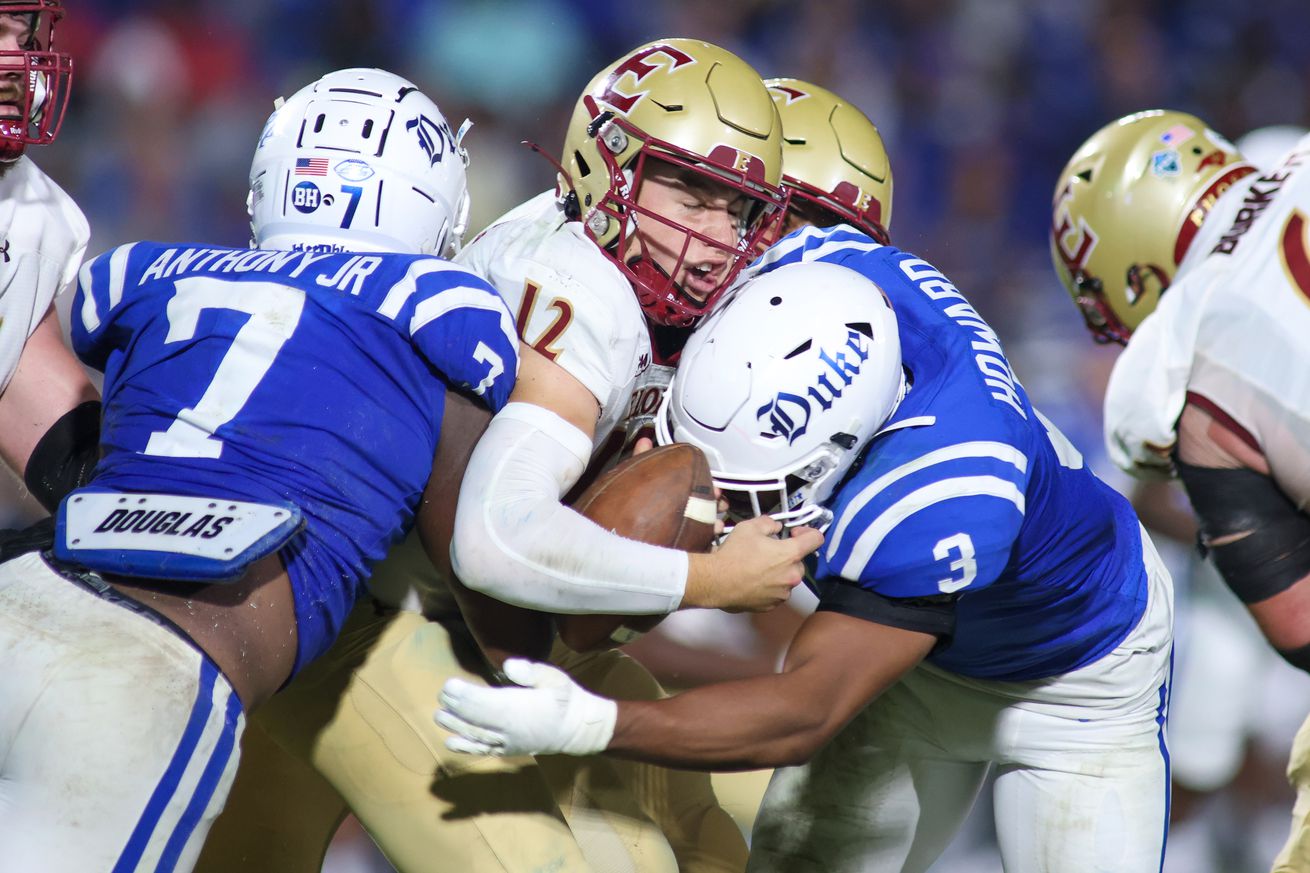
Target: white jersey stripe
118,273
406,287
788,246
90,315
929,495
462,297
975,449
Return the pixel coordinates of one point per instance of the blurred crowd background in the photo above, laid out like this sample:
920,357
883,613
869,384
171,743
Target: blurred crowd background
980,103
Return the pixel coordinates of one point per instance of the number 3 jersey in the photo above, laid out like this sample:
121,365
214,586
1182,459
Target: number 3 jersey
268,376
969,492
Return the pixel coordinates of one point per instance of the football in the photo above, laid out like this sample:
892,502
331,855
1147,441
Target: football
664,497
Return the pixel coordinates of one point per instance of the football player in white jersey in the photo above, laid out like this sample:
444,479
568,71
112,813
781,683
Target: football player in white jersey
1170,242
667,185
49,411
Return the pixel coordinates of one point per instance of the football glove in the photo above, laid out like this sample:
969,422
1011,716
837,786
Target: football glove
547,714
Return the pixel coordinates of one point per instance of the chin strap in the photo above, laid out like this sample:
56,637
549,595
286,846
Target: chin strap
10,150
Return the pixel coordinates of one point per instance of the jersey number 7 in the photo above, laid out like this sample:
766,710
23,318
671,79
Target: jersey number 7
274,312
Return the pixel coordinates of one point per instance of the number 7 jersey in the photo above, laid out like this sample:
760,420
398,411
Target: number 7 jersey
313,378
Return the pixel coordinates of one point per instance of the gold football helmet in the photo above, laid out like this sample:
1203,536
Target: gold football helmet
1128,206
833,159
699,108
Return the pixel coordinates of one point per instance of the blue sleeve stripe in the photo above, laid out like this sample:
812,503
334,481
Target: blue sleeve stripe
432,308
976,449
400,293
929,495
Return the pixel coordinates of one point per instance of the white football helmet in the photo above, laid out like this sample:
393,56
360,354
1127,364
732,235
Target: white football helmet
782,387
360,160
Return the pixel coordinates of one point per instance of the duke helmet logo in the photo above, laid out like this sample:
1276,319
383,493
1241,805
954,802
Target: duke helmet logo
434,138
788,415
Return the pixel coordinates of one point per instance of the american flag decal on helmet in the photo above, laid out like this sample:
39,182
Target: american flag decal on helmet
311,166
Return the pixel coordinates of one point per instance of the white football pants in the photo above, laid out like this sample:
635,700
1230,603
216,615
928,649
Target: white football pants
1081,760
118,740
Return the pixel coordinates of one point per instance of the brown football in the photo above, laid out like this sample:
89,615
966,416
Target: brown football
664,497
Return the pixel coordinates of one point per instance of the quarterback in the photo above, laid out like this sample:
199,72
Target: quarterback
1170,242
49,412
668,184
985,602
271,419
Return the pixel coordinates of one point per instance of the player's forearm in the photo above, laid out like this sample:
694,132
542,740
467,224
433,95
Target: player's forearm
766,721
36,413
514,540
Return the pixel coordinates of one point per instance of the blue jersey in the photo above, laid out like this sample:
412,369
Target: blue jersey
310,378
969,491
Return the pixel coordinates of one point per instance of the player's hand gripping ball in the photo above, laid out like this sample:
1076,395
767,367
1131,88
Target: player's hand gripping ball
664,497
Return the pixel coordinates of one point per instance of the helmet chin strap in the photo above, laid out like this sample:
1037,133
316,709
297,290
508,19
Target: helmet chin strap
648,270
10,150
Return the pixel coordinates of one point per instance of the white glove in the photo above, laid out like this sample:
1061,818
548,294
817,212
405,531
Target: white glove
550,714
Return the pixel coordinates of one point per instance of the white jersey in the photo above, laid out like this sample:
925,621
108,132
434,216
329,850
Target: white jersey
43,236
1229,335
572,305
570,302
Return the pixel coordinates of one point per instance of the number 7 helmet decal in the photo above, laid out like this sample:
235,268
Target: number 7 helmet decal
359,160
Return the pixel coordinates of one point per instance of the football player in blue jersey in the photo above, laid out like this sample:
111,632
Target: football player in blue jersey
986,604
271,417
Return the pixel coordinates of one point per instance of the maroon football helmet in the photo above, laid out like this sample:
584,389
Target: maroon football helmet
34,78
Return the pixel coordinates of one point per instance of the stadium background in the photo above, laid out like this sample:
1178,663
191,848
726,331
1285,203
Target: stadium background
980,102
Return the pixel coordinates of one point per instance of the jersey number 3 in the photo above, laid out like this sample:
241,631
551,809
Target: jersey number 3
274,312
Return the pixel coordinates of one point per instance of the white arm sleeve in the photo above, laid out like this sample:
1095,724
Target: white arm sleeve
516,542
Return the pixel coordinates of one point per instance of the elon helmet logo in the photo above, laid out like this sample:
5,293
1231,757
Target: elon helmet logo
641,65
